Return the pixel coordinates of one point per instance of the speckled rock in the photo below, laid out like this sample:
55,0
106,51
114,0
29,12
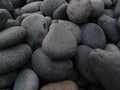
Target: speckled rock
14,58
110,28
60,42
106,67
7,80
117,9
53,70
79,10
37,29
63,85
26,80
49,6
12,36
93,36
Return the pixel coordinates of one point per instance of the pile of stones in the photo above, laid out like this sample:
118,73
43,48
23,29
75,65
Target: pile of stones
59,44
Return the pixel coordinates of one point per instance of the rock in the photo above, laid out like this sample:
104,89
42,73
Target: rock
11,23
5,89
26,80
12,36
114,2
6,4
93,36
117,9
110,28
82,62
60,42
106,67
37,29
14,58
81,82
79,10
48,20
49,6
7,80
53,70
119,22
97,8
60,12
109,12
63,85
112,48
31,7
108,3
6,13
29,1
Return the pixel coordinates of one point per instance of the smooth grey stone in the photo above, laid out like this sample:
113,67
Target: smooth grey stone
97,8
37,29
109,12
31,7
110,28
12,36
106,67
48,20
29,1
114,2
117,9
49,6
18,3
119,22
112,48
7,80
53,70
6,4
26,80
11,23
82,62
14,58
79,10
60,12
60,42
108,3
93,36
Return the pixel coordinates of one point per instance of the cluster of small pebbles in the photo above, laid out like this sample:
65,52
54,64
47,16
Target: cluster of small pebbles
59,44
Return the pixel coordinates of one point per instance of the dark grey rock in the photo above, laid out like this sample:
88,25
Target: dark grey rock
29,1
60,12
26,80
117,9
37,29
110,28
48,20
119,22
93,36
106,67
82,63
53,70
60,42
7,80
49,6
79,10
14,58
109,12
108,3
114,2
97,8
81,82
12,36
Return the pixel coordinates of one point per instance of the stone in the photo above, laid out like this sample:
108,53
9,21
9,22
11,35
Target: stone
117,9
108,3
109,12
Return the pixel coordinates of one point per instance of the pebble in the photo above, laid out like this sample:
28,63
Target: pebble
110,28
117,9
14,58
63,85
119,22
108,3
93,36
59,43
53,70
26,80
36,27
109,12
79,10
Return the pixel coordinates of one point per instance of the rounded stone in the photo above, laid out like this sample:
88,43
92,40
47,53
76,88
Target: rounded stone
36,27
79,10
109,12
7,80
119,22
97,8
26,80
53,70
49,6
60,42
82,62
14,58
106,67
117,9
93,36
12,36
108,3
110,27
29,1
63,85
